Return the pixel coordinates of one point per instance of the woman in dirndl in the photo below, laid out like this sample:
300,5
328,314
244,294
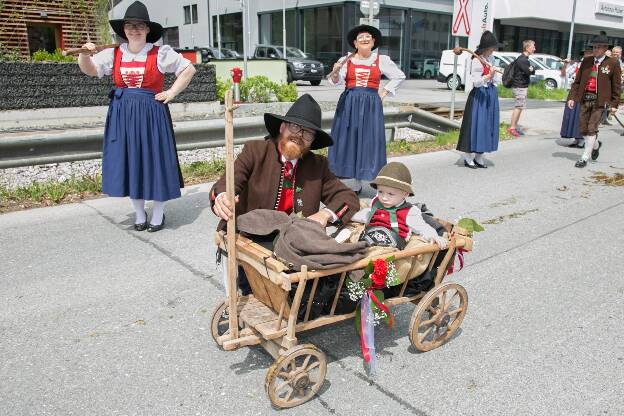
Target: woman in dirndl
359,149
139,154
479,128
570,124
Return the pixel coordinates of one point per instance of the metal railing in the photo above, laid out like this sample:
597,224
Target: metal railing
31,149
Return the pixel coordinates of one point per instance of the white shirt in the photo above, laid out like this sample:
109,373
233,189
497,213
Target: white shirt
167,60
476,72
386,66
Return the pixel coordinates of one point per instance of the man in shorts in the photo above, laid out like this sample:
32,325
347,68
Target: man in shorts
520,85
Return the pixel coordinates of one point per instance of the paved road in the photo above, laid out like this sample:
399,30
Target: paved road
98,319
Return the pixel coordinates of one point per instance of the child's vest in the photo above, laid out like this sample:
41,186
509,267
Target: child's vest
387,226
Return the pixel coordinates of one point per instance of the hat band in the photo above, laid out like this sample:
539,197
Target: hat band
394,180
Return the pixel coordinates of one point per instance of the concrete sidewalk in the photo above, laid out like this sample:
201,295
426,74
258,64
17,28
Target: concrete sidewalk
98,319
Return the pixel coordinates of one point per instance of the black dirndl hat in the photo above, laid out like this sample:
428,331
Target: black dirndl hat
354,32
305,112
137,11
488,40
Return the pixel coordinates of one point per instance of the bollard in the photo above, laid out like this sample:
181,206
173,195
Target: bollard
237,74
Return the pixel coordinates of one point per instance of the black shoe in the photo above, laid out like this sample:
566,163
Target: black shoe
581,163
479,165
142,226
471,166
576,145
596,152
153,228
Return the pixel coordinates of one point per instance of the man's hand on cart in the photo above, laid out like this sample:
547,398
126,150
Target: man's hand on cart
222,207
322,217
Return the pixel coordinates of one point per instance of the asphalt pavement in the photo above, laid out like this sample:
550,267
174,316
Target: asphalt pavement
97,319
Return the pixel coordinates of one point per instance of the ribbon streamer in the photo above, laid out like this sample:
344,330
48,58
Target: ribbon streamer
460,256
367,335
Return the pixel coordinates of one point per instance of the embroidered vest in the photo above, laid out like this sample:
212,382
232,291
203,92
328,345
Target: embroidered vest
592,85
367,76
135,74
394,218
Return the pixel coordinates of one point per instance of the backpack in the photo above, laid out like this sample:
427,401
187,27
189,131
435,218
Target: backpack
508,74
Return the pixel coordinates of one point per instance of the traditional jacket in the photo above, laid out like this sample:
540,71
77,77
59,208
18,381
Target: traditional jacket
258,175
609,82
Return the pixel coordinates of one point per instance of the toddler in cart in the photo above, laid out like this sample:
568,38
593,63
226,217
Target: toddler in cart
391,220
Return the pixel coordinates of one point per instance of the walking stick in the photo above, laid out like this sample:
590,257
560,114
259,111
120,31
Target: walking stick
335,70
231,224
458,51
98,48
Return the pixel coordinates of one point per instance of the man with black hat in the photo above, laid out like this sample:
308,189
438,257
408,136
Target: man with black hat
281,173
596,88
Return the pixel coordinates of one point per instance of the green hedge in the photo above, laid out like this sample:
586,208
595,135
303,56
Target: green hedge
536,91
259,89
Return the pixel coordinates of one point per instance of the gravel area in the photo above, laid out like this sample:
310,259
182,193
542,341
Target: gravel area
13,178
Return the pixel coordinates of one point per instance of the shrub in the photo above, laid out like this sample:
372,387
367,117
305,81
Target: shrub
259,89
56,56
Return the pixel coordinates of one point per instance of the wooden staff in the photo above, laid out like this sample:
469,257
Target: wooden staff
98,48
458,51
231,224
335,70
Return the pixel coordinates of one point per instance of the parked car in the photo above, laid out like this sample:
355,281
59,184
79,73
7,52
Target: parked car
549,61
208,53
299,66
551,78
424,68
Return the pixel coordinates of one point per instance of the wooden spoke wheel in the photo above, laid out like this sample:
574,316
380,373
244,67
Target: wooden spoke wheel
294,378
437,316
220,321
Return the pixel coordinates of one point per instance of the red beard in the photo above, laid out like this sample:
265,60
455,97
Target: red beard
291,150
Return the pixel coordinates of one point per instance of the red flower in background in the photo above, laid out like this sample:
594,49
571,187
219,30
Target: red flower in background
380,270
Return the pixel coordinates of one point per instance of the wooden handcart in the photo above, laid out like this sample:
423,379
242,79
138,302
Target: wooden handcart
270,317
267,317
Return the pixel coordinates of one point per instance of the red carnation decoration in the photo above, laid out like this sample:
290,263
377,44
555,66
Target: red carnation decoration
380,270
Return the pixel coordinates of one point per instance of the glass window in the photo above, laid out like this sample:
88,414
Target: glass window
231,26
194,13
171,37
322,33
391,22
292,52
430,36
187,15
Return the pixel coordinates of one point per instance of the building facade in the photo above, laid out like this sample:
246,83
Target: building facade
415,31
30,25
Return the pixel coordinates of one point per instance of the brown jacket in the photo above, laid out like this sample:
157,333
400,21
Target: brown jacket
609,82
257,176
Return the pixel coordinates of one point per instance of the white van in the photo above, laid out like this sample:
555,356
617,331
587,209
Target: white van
551,77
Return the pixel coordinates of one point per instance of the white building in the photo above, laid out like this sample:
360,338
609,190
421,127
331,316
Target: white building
415,31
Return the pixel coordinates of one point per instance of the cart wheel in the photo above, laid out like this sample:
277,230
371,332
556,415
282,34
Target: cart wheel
294,378
220,321
437,316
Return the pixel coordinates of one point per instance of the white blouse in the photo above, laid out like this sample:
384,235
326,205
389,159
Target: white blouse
167,60
386,66
476,73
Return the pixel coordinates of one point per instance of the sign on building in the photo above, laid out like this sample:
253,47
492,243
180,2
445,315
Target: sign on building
611,9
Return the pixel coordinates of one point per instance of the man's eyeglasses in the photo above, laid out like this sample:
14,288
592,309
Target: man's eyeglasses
135,26
364,37
308,135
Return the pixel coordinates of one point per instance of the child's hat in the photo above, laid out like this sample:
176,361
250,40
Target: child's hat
394,175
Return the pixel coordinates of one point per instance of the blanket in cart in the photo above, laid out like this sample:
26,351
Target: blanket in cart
300,241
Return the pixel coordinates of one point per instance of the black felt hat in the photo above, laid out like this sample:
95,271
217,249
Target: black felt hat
305,112
137,11
488,40
374,32
601,39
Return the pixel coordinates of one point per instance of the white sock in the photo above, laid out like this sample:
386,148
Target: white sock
469,158
139,209
158,211
357,185
479,159
590,142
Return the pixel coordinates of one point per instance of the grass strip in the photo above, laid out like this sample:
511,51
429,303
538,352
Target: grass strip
536,91
43,194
